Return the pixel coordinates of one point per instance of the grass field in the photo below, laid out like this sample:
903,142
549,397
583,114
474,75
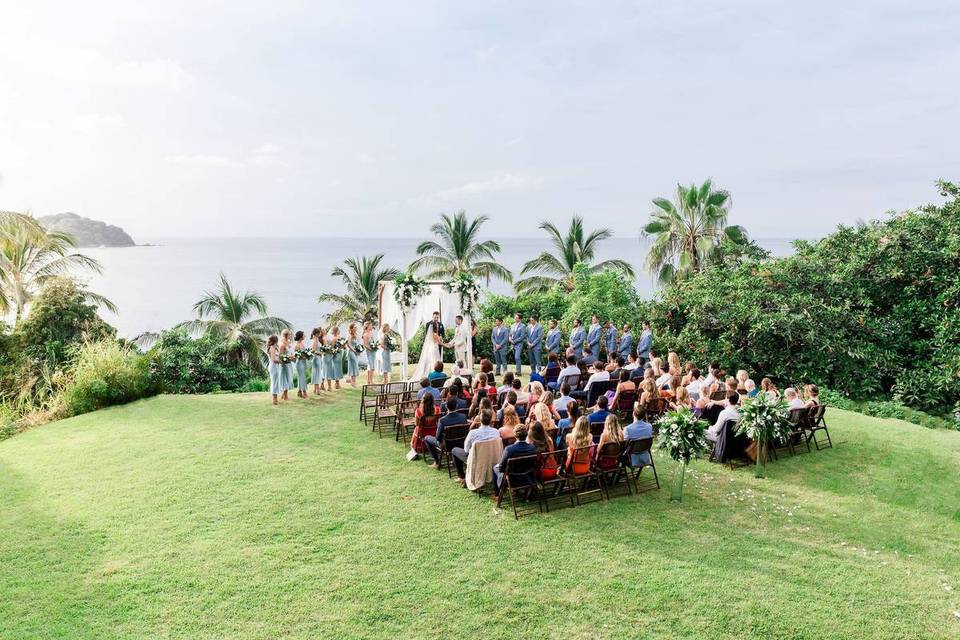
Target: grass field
223,517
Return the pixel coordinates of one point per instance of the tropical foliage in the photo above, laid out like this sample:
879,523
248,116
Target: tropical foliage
458,249
181,364
691,233
238,317
681,435
105,373
361,277
556,267
31,256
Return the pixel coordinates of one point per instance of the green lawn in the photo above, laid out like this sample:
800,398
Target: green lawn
223,517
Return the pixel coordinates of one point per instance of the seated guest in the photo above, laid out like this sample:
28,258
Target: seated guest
731,412
767,387
695,384
563,426
486,367
485,405
518,449
508,400
681,399
599,375
611,365
426,389
536,391
742,378
579,438
656,367
813,396
631,363
458,369
663,379
437,373
457,391
600,411
624,385
568,372
426,418
553,366
507,383
452,417
589,357
560,404
751,388
639,373
687,371
621,362
732,385
648,392
484,432
612,433
537,436
793,401
522,396
713,374
544,413
509,423
482,383
638,430
478,397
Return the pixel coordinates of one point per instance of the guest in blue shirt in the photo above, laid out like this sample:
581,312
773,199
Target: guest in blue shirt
518,449
451,418
437,373
564,425
600,413
425,388
637,430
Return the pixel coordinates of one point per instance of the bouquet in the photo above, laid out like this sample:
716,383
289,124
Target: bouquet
304,354
392,343
464,285
285,358
374,346
764,420
408,288
322,350
339,345
357,347
681,434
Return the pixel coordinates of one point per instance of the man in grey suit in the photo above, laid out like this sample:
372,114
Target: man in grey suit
535,342
645,344
499,337
518,336
577,336
593,336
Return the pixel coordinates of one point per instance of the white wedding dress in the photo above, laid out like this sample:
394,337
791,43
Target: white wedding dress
429,355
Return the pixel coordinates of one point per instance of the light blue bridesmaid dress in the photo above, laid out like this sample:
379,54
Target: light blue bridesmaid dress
385,359
328,361
273,369
286,372
338,365
301,373
371,352
317,372
353,364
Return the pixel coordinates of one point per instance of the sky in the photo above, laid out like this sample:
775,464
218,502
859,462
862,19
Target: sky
353,119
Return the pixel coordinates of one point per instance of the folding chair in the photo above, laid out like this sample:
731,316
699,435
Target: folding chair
453,436
518,478
368,400
637,447
596,430
609,467
581,474
625,402
386,411
798,421
815,422
406,420
550,478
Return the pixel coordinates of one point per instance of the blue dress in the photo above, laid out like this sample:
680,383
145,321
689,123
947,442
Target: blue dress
286,373
371,352
302,373
385,359
328,363
338,365
353,364
274,370
317,372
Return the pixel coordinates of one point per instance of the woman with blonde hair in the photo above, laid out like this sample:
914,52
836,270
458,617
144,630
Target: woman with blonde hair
742,377
578,462
648,391
536,390
385,363
612,433
673,361
542,412
353,358
286,369
681,398
770,389
510,422
370,349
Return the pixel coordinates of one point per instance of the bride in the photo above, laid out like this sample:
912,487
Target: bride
430,352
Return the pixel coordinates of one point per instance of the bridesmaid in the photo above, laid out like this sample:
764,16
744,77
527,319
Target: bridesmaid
273,369
316,339
301,365
385,353
328,360
286,370
371,349
337,359
353,363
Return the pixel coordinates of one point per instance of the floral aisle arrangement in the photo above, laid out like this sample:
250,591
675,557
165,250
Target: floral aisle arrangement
764,420
681,434
465,286
408,288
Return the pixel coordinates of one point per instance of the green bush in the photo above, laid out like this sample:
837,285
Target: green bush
889,409
181,364
104,374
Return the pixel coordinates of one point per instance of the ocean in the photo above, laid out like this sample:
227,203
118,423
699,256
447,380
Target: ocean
155,286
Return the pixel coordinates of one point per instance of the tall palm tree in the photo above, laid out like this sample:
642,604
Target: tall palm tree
360,277
459,250
30,256
687,234
238,317
553,268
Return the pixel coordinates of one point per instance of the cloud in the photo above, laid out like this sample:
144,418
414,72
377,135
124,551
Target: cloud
502,182
94,122
202,160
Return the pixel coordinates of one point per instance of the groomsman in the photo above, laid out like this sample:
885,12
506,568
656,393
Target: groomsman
626,341
593,335
645,344
577,336
518,335
610,340
535,341
553,339
499,337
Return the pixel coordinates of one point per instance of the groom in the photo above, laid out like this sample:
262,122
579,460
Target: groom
438,333
461,343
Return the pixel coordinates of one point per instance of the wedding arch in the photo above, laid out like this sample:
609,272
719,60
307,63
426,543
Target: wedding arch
444,296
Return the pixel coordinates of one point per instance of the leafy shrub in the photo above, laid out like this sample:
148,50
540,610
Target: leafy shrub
104,374
889,409
181,364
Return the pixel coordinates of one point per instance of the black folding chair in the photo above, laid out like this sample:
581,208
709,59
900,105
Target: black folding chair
815,423
519,478
638,447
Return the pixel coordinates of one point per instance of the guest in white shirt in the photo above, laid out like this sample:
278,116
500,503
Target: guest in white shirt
600,374
663,379
793,401
560,404
695,384
713,376
731,412
567,372
631,362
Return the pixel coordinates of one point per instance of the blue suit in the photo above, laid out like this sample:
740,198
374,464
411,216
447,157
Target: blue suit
518,335
535,342
499,336
626,344
593,339
553,341
576,340
644,346
610,341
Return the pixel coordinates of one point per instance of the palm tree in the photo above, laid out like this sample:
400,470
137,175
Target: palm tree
361,277
458,250
30,256
687,234
240,318
570,249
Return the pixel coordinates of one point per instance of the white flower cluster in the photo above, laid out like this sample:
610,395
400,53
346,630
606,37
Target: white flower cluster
464,285
681,434
407,289
764,419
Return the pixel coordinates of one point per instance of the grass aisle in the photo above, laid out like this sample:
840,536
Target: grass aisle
223,517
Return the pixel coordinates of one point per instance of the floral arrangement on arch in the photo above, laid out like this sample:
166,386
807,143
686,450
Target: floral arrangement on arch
681,434
408,288
465,286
